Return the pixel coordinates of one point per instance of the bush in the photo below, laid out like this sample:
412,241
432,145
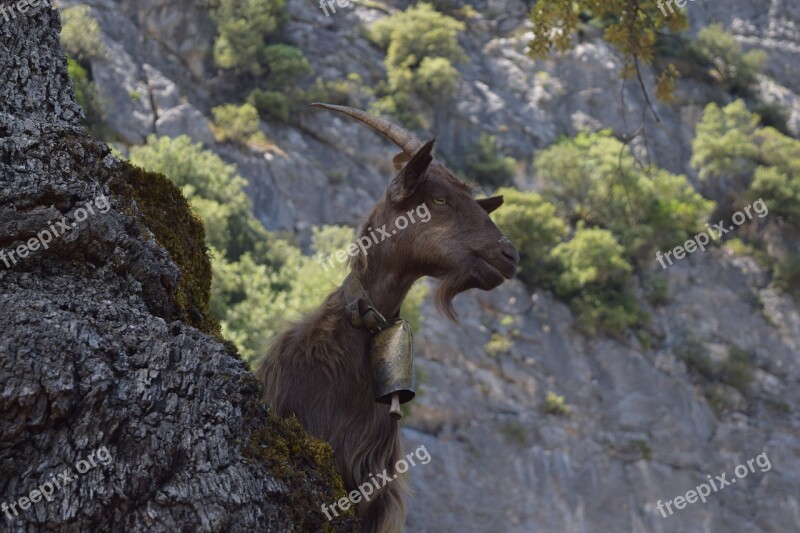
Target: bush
765,162
243,27
595,179
238,124
87,97
270,104
80,33
696,357
421,47
486,165
287,65
436,79
533,226
498,345
214,189
735,70
787,275
594,277
592,258
554,405
723,144
737,369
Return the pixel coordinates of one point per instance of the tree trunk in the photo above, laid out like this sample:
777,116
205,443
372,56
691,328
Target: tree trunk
118,398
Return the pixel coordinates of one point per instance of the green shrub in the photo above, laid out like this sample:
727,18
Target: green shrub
696,357
787,275
80,33
554,405
594,178
485,164
737,369
436,79
606,310
514,433
533,226
593,257
214,189
657,289
270,104
287,65
236,123
243,27
729,142
350,91
87,97
723,143
735,70
773,114
498,345
421,47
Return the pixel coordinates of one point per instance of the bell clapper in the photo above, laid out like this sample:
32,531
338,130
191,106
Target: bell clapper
395,411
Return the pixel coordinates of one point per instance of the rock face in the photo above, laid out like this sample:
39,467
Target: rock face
641,429
107,354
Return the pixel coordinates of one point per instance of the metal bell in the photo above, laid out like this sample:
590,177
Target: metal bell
393,379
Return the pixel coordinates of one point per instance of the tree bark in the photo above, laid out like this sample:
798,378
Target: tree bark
106,342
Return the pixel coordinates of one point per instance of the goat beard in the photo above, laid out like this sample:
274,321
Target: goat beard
449,287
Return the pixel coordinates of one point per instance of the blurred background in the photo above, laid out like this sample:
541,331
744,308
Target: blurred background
576,396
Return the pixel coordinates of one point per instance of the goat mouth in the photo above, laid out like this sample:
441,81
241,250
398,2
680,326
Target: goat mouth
493,274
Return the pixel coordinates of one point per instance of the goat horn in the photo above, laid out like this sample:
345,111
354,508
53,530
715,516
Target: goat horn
401,137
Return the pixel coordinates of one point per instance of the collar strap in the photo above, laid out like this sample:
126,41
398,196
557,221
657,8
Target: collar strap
359,307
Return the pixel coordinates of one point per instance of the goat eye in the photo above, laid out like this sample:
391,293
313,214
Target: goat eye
439,201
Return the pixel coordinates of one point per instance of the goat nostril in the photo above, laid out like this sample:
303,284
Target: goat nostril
511,254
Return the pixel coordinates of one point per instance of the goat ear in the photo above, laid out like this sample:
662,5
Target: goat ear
400,160
412,175
490,204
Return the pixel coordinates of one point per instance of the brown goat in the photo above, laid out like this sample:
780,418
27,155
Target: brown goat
319,368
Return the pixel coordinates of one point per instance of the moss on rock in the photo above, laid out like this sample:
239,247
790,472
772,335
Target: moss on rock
165,211
304,464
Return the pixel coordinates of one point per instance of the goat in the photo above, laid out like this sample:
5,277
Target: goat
319,369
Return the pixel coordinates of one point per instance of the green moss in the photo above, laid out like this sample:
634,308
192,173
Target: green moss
165,211
306,467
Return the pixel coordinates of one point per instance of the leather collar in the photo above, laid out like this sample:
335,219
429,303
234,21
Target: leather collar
359,306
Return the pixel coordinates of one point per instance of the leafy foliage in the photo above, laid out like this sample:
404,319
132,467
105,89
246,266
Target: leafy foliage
421,47
632,26
243,27
554,404
270,104
735,70
532,224
88,98
80,34
287,65
767,163
238,124
594,178
485,164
